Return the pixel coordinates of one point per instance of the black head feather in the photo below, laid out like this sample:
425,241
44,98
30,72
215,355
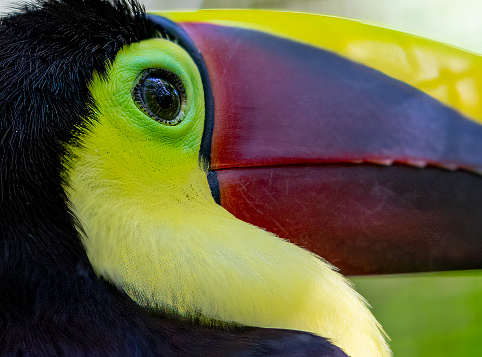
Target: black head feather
48,54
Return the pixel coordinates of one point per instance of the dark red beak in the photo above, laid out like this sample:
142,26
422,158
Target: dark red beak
365,170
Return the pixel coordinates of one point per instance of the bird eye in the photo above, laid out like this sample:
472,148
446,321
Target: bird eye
161,95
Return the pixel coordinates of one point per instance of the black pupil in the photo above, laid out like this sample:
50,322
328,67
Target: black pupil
162,98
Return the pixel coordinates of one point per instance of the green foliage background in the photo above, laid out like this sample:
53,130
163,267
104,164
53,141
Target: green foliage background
436,314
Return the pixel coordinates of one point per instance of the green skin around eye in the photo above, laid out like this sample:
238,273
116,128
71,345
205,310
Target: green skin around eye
114,98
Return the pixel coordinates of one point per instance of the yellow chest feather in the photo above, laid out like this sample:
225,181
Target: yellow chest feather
188,256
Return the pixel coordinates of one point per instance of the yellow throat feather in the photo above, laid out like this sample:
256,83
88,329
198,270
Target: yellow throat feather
152,228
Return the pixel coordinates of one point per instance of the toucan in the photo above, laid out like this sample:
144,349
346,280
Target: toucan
123,135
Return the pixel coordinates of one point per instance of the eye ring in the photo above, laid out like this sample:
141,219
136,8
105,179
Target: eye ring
160,94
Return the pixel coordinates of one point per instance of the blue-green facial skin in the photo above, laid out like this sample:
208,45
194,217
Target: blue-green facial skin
113,95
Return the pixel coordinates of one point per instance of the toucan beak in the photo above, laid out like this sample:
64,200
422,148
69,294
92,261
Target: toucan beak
364,168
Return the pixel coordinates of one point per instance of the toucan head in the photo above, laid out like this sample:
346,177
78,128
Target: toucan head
125,137
136,181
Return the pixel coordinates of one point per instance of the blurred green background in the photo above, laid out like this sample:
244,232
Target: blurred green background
436,314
